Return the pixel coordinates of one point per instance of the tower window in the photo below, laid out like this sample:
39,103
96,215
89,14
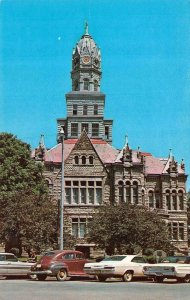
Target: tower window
86,84
74,129
76,85
95,130
107,132
91,160
75,109
84,126
85,110
76,159
95,85
83,160
96,109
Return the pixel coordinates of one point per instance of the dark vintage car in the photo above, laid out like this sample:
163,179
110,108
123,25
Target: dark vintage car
11,266
61,264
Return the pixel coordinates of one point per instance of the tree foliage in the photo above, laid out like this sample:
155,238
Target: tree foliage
28,215
128,229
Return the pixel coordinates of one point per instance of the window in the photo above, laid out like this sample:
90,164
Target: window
143,197
176,231
75,109
138,259
91,160
98,195
135,193
120,183
75,195
107,132
95,130
74,129
168,202
157,199
86,84
95,85
76,160
174,200
83,160
175,235
69,256
84,126
83,195
180,197
79,226
76,85
68,195
151,199
85,110
128,192
181,231
91,195
95,109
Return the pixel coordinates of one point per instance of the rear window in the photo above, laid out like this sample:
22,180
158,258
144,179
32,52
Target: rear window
114,258
174,259
51,253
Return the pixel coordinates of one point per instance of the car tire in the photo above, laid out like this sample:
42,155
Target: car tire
102,278
41,277
186,279
61,275
128,276
159,279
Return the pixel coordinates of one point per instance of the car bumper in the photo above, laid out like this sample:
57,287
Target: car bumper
43,272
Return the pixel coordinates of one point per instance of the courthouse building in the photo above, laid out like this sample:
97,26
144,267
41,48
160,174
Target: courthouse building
95,172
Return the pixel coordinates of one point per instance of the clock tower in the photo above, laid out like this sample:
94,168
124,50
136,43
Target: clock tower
85,103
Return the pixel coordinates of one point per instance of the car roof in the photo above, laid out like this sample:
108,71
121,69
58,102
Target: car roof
63,251
6,253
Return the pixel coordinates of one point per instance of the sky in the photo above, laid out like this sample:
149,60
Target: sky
145,49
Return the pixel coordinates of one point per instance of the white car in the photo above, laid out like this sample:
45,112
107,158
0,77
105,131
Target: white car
11,266
124,266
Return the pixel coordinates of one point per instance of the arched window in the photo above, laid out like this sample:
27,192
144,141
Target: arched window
181,200
83,160
128,192
151,199
120,183
86,84
91,160
168,202
157,199
95,85
174,200
143,197
135,192
76,159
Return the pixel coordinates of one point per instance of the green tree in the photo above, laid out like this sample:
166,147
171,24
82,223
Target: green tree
129,229
28,215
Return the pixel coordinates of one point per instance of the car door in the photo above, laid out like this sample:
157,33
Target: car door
80,262
69,260
138,263
3,265
14,266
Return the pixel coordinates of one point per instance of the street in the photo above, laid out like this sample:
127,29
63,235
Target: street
16,289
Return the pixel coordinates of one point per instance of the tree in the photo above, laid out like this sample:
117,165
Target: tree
28,215
129,229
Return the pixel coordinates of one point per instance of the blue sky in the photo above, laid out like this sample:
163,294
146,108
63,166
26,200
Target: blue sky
145,47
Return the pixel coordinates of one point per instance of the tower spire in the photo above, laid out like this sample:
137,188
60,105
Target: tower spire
86,28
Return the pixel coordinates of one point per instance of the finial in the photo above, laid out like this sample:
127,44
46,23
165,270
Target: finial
126,140
41,143
86,27
170,153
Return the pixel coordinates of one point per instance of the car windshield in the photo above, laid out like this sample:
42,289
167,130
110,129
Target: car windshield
114,258
51,253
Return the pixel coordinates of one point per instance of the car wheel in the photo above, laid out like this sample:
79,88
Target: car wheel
159,279
186,279
128,276
61,275
102,278
33,277
41,277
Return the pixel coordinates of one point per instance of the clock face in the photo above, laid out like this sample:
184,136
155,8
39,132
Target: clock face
86,59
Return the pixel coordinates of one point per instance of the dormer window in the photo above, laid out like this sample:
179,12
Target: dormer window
83,160
91,160
76,160
86,84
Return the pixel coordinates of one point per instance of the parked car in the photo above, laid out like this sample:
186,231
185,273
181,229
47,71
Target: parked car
61,264
177,267
124,266
11,266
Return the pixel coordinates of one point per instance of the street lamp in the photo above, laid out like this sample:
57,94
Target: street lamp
62,189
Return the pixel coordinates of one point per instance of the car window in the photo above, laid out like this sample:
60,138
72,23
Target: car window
51,253
138,259
2,257
114,258
11,258
79,256
69,256
173,259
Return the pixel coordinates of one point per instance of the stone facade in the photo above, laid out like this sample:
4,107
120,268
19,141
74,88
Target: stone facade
95,172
